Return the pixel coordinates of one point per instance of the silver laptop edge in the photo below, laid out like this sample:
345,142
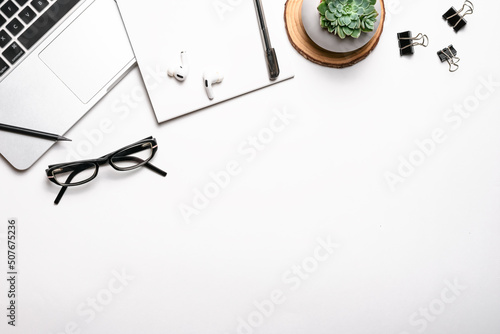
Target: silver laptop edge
62,77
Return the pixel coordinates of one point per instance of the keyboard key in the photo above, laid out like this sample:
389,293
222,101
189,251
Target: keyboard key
3,67
15,27
2,20
4,38
20,2
27,15
13,53
9,9
39,5
45,22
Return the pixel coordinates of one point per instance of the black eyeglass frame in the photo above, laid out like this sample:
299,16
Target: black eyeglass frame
110,159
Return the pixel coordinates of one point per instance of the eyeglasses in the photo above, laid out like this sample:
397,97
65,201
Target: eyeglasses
125,159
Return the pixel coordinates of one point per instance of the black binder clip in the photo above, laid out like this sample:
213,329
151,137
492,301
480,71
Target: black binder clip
407,42
449,55
456,19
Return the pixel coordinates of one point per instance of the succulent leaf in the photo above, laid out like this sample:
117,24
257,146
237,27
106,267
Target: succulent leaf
329,16
322,8
341,33
348,17
348,31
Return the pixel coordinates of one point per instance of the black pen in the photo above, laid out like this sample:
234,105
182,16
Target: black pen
271,59
33,133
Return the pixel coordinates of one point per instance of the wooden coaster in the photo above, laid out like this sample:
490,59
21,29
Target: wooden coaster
311,51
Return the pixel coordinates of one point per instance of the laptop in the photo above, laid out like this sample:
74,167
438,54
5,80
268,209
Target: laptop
58,58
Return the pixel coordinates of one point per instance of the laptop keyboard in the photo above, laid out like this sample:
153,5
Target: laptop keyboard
23,23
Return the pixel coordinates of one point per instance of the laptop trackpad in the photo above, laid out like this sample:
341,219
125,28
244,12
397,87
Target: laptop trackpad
88,54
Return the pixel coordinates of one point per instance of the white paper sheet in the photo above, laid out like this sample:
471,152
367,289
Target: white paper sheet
216,38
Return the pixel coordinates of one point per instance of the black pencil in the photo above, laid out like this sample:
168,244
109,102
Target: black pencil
271,59
33,133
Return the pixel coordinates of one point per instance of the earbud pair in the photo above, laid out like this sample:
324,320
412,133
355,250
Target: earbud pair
209,78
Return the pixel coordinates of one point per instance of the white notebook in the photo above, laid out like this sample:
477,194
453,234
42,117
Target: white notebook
216,35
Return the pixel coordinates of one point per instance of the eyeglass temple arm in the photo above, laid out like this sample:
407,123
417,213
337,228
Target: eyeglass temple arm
148,165
68,180
155,169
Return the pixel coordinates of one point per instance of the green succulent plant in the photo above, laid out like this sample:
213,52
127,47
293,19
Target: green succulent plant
348,17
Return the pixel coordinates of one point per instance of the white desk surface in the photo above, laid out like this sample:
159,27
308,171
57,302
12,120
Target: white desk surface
422,257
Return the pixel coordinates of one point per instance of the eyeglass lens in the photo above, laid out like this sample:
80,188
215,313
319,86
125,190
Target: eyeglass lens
75,174
132,157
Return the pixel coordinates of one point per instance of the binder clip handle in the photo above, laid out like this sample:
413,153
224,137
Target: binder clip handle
449,54
453,62
456,18
469,6
406,41
421,39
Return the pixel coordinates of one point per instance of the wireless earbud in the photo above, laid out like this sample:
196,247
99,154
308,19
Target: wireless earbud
180,72
209,79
